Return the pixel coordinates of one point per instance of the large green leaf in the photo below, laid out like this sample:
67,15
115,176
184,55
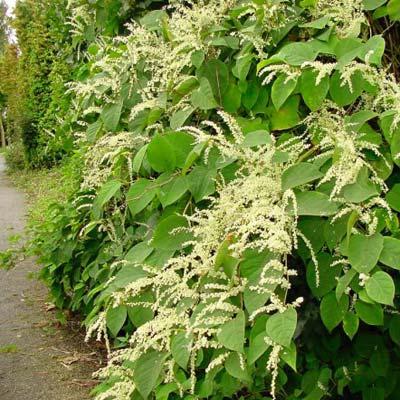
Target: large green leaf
111,115
164,392
257,138
105,194
251,268
152,19
193,156
127,274
226,41
172,191
242,67
393,197
373,50
344,282
282,88
295,54
334,232
93,130
373,4
182,144
287,116
146,371
138,159
224,259
364,251
319,23
280,327
171,233
347,49
139,314
299,174
390,254
350,324
197,58
180,349
257,348
115,319
380,288
216,73
186,86
202,182
361,190
333,311
356,122
395,146
250,96
231,334
327,275
203,97
371,314
179,118
315,203
138,253
159,257
260,104
313,94
140,194
231,99
311,228
161,154
234,368
393,9
340,91
144,119
289,355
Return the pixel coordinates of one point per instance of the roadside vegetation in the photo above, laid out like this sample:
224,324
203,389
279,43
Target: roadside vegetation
215,189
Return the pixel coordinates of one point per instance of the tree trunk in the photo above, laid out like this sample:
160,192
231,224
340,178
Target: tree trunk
2,133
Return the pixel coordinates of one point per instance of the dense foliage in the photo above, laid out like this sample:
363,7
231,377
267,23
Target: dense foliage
234,229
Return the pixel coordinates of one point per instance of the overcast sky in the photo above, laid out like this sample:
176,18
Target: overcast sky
10,4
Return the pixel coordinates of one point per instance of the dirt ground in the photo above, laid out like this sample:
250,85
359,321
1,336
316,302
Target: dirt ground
39,360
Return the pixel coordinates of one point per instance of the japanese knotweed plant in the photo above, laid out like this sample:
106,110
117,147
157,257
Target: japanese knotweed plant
198,297
238,203
191,33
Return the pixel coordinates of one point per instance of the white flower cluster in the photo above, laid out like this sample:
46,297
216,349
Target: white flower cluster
271,15
336,138
271,71
82,16
193,292
347,16
162,58
106,154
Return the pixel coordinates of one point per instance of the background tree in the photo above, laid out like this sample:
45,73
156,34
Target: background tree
4,26
3,44
11,90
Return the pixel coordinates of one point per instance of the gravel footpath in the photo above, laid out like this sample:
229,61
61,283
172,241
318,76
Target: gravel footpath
39,360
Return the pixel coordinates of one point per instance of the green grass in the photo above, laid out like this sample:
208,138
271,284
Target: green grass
42,187
10,348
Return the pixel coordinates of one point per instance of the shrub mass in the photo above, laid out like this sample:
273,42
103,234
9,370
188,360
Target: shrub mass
233,229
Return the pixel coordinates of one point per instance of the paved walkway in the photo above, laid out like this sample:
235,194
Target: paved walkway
38,360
